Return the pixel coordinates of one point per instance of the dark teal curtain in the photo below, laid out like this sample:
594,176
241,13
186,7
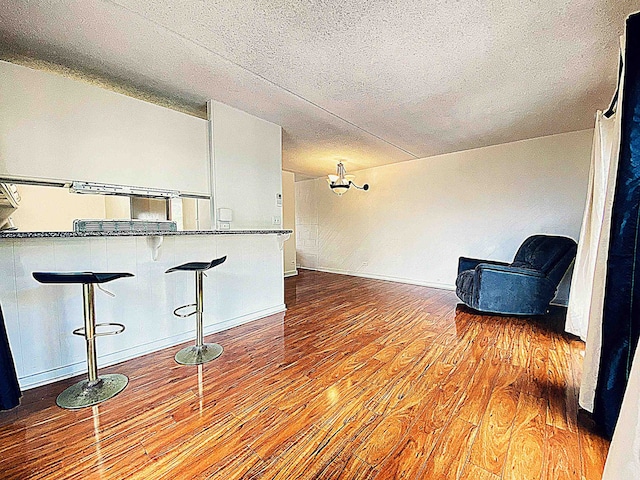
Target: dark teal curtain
9,388
621,316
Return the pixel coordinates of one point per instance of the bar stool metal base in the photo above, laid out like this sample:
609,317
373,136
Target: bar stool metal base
198,354
82,394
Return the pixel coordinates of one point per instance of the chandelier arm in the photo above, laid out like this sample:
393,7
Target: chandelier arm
365,187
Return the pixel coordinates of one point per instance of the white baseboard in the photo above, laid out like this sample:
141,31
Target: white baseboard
60,373
373,276
291,273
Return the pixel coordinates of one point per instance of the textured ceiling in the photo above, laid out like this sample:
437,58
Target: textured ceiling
368,82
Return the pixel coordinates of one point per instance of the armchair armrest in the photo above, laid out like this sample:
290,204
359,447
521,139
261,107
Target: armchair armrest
510,270
465,263
512,290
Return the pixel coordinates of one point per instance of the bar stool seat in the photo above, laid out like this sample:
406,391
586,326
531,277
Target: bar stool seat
96,388
200,352
79,277
197,266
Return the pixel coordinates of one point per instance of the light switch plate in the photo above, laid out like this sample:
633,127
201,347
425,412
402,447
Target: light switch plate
276,219
225,215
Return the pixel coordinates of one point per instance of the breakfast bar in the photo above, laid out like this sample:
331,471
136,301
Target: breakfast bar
40,318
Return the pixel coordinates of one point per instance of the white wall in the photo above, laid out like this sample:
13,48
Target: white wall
55,209
246,156
307,199
289,222
117,207
55,128
419,216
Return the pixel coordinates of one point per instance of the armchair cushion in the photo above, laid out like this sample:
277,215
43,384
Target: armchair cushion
523,287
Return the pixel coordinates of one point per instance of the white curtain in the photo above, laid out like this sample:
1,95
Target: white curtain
623,460
594,239
586,302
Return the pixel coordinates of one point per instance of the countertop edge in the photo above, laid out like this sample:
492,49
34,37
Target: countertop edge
140,233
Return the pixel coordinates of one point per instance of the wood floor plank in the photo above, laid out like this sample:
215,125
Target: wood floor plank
562,454
492,440
559,393
536,376
521,343
408,456
473,472
526,454
476,397
593,449
349,467
389,431
448,458
400,384
322,448
359,379
236,469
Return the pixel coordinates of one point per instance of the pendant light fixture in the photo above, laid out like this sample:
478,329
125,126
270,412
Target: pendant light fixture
340,182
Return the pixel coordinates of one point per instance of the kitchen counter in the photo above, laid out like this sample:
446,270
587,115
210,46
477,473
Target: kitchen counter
140,233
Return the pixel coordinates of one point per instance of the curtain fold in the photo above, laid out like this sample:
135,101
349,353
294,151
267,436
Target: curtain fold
9,388
594,239
586,303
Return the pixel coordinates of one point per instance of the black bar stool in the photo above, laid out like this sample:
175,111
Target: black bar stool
97,388
200,352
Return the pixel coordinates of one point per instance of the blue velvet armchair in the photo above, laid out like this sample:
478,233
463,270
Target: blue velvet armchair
522,287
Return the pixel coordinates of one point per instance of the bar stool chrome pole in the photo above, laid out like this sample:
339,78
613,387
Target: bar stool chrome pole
96,388
88,297
200,352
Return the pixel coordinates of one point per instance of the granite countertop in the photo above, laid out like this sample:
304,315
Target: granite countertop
137,233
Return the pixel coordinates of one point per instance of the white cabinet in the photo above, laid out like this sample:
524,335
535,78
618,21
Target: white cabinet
56,128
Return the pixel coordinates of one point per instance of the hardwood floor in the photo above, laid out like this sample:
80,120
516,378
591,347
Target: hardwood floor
360,379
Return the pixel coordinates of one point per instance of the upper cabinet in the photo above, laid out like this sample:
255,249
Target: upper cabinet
54,128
